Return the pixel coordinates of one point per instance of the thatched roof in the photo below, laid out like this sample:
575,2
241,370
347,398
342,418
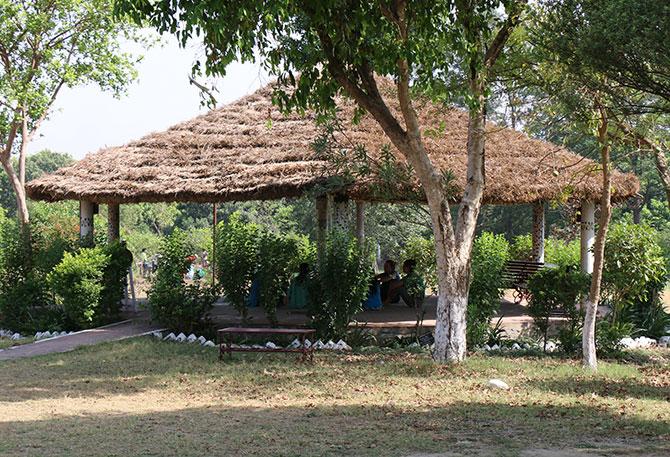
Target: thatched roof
248,150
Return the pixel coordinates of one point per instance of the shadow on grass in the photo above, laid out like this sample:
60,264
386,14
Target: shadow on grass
621,388
140,364
380,430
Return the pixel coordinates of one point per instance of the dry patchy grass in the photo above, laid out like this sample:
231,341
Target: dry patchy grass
144,397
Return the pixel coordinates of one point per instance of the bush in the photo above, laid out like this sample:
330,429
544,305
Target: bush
339,286
557,290
634,276
278,259
522,248
556,250
172,302
236,260
489,254
562,253
26,258
609,335
77,285
422,250
114,280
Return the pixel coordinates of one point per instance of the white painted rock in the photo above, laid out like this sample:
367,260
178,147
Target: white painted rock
318,345
191,338
329,345
487,348
209,344
271,345
202,339
498,384
170,337
664,339
295,344
158,335
627,342
16,336
38,335
551,346
181,338
495,347
516,347
257,346
342,346
308,343
644,342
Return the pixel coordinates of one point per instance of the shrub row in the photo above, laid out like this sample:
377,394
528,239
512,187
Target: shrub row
48,282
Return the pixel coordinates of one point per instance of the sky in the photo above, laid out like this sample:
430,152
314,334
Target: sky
86,119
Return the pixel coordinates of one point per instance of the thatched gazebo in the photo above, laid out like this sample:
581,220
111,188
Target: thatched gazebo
248,150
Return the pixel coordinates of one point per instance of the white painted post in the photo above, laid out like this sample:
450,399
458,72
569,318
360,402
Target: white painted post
113,225
538,231
86,209
588,235
360,222
321,223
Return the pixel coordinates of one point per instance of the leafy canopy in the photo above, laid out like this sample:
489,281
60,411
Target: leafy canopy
332,43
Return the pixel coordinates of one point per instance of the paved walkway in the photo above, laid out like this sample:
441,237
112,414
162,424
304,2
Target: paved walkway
113,332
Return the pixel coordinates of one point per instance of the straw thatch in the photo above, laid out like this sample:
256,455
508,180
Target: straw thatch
248,150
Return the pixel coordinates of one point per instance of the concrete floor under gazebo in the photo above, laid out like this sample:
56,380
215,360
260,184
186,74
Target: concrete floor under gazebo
391,320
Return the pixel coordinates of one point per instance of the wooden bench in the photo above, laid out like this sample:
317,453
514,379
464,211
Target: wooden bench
226,344
516,275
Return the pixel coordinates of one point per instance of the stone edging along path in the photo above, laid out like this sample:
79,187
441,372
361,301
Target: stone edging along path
113,332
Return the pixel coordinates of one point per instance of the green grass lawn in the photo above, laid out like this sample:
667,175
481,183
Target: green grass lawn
145,397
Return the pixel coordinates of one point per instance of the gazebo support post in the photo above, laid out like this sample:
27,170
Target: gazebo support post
86,211
321,222
588,230
215,221
113,225
538,231
360,222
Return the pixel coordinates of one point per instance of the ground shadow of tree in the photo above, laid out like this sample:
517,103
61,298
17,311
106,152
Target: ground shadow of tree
361,430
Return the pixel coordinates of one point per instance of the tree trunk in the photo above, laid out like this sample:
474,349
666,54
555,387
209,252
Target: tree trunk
589,359
19,191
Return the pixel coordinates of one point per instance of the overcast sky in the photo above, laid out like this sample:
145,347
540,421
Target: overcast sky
86,119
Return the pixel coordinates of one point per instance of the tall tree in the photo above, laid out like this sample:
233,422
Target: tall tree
46,45
36,165
553,66
625,42
339,46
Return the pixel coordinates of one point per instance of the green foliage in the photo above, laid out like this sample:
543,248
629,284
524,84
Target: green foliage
278,259
634,276
114,279
172,302
609,335
422,250
489,254
339,286
556,290
236,260
522,248
247,252
36,165
27,256
562,253
556,250
77,285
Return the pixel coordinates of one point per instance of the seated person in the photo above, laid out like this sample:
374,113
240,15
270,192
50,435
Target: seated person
387,278
411,288
298,289
374,299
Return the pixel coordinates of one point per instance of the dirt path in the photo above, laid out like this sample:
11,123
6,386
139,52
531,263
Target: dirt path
118,331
